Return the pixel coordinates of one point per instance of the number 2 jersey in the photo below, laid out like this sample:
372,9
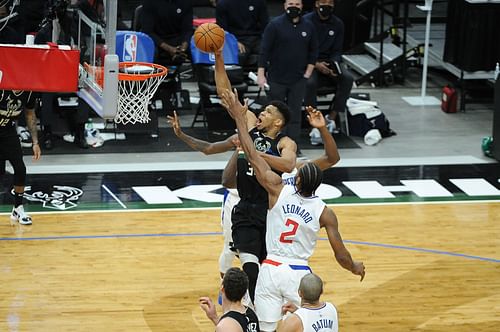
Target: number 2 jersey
292,224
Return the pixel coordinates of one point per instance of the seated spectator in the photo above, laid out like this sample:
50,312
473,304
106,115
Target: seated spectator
246,20
328,70
170,24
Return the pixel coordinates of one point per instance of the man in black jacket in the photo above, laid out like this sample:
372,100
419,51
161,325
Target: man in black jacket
170,24
328,70
246,20
288,54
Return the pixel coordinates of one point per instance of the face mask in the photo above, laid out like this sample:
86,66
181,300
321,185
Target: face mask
325,10
293,12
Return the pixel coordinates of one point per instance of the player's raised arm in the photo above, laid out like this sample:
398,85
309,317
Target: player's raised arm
198,144
331,155
221,79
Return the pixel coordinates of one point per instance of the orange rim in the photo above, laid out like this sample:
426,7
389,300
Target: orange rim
161,71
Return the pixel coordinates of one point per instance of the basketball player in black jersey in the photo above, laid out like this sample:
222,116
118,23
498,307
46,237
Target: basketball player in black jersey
249,215
12,104
236,316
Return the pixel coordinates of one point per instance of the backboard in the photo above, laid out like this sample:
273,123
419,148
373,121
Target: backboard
97,45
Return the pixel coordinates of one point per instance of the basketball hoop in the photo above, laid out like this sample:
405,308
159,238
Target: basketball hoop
137,83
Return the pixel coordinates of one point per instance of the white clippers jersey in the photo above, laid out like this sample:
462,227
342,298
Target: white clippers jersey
324,319
292,225
289,178
231,198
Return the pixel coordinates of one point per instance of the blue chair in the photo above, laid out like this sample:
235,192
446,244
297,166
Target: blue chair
140,47
134,46
230,52
203,67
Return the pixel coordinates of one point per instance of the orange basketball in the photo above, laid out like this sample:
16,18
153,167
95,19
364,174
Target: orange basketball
209,37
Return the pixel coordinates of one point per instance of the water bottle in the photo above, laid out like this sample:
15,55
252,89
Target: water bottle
89,126
497,71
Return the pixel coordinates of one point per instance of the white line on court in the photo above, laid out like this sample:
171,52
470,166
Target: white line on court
114,196
218,208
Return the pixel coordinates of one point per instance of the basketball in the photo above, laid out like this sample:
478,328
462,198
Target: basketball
209,37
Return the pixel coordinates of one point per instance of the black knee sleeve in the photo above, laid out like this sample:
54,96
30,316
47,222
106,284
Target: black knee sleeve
19,171
252,271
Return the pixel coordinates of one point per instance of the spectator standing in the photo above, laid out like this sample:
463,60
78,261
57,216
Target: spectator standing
288,54
170,24
246,20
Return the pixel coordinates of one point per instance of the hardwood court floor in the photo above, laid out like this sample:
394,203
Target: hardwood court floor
430,267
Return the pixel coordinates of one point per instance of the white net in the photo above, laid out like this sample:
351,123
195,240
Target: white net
135,89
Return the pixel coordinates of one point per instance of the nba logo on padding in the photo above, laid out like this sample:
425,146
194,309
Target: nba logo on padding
130,47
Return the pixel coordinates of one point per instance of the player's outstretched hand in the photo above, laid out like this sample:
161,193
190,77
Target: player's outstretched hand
231,102
315,117
359,269
207,305
236,142
174,121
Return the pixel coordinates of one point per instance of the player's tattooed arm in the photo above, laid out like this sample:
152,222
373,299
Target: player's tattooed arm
31,124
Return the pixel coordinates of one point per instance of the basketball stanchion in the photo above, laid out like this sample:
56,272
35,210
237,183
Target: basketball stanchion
137,83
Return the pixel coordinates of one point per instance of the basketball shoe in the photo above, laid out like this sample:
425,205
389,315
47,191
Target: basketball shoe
20,216
330,125
24,137
315,137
